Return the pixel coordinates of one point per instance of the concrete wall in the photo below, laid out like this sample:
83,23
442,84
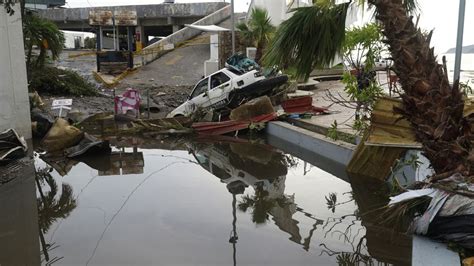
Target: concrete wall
19,230
14,102
152,52
143,11
331,156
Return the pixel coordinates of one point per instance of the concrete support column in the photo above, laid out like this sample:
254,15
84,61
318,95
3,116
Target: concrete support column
141,41
176,28
14,102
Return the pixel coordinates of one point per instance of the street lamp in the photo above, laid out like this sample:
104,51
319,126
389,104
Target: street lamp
457,62
232,18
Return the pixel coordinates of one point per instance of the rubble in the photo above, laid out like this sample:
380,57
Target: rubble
253,108
12,146
61,136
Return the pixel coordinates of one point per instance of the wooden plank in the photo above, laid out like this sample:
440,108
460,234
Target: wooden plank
373,162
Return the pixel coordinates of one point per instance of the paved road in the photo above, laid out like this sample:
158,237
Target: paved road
181,67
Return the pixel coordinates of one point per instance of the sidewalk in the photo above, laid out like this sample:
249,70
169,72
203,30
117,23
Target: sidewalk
344,116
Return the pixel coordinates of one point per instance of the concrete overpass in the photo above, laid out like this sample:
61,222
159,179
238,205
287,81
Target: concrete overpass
153,20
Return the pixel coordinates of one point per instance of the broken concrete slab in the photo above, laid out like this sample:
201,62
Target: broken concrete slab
256,107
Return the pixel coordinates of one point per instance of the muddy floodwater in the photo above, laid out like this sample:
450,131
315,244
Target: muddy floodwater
192,202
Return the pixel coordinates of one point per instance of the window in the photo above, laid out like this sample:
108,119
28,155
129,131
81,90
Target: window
218,79
200,88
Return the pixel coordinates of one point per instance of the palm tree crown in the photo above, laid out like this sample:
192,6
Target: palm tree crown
258,30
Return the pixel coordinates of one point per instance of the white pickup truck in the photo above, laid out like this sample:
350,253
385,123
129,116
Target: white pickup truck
224,87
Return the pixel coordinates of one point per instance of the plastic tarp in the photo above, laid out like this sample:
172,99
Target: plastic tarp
12,146
211,28
242,63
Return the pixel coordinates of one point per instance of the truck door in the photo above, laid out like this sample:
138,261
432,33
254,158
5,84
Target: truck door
220,87
199,96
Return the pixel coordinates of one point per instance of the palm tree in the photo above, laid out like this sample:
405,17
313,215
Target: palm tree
50,207
45,35
314,35
258,30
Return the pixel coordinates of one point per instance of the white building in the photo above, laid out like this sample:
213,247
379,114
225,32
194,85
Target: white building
278,10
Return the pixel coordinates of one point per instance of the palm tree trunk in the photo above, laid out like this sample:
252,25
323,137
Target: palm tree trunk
434,109
259,52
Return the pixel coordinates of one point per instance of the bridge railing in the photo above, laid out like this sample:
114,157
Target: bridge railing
156,50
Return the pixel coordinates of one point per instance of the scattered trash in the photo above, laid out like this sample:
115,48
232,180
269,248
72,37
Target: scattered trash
449,215
89,144
61,136
12,146
128,101
61,104
41,122
220,128
241,63
302,105
468,262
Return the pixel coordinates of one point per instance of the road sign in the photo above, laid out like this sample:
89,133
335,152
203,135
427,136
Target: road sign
62,104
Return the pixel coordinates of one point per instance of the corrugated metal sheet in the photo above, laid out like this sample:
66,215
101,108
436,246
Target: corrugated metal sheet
389,129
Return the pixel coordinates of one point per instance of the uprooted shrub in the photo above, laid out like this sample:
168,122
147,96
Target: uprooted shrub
62,82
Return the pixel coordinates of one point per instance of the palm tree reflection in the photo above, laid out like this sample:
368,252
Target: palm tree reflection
51,207
261,205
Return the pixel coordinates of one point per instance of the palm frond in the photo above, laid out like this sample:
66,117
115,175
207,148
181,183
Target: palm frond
311,38
44,34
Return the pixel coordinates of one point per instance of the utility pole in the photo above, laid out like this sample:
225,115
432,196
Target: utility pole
232,18
457,62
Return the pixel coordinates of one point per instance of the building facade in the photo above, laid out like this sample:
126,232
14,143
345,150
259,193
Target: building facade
14,102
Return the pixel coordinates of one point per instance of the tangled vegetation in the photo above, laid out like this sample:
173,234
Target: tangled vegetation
56,81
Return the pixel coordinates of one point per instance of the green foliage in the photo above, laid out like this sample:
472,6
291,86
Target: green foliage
310,38
90,43
465,88
364,91
56,81
258,30
363,45
43,34
332,131
313,36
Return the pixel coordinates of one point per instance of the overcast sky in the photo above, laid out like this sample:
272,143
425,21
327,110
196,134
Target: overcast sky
440,15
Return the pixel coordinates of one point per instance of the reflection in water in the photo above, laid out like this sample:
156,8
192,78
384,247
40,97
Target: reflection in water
51,207
116,163
19,241
259,166
254,174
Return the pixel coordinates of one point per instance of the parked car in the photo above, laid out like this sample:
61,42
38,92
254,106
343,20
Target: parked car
227,88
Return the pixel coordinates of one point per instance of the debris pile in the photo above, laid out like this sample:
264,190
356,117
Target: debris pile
440,206
12,146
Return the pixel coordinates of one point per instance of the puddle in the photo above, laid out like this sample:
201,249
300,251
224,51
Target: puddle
206,203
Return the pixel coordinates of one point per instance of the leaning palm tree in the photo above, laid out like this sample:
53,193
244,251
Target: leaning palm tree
258,30
314,35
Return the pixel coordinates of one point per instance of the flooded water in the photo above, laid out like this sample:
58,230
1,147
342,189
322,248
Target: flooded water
204,203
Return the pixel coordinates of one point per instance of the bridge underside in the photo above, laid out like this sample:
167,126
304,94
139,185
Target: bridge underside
152,20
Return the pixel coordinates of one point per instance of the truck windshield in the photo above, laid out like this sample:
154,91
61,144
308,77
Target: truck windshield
200,88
